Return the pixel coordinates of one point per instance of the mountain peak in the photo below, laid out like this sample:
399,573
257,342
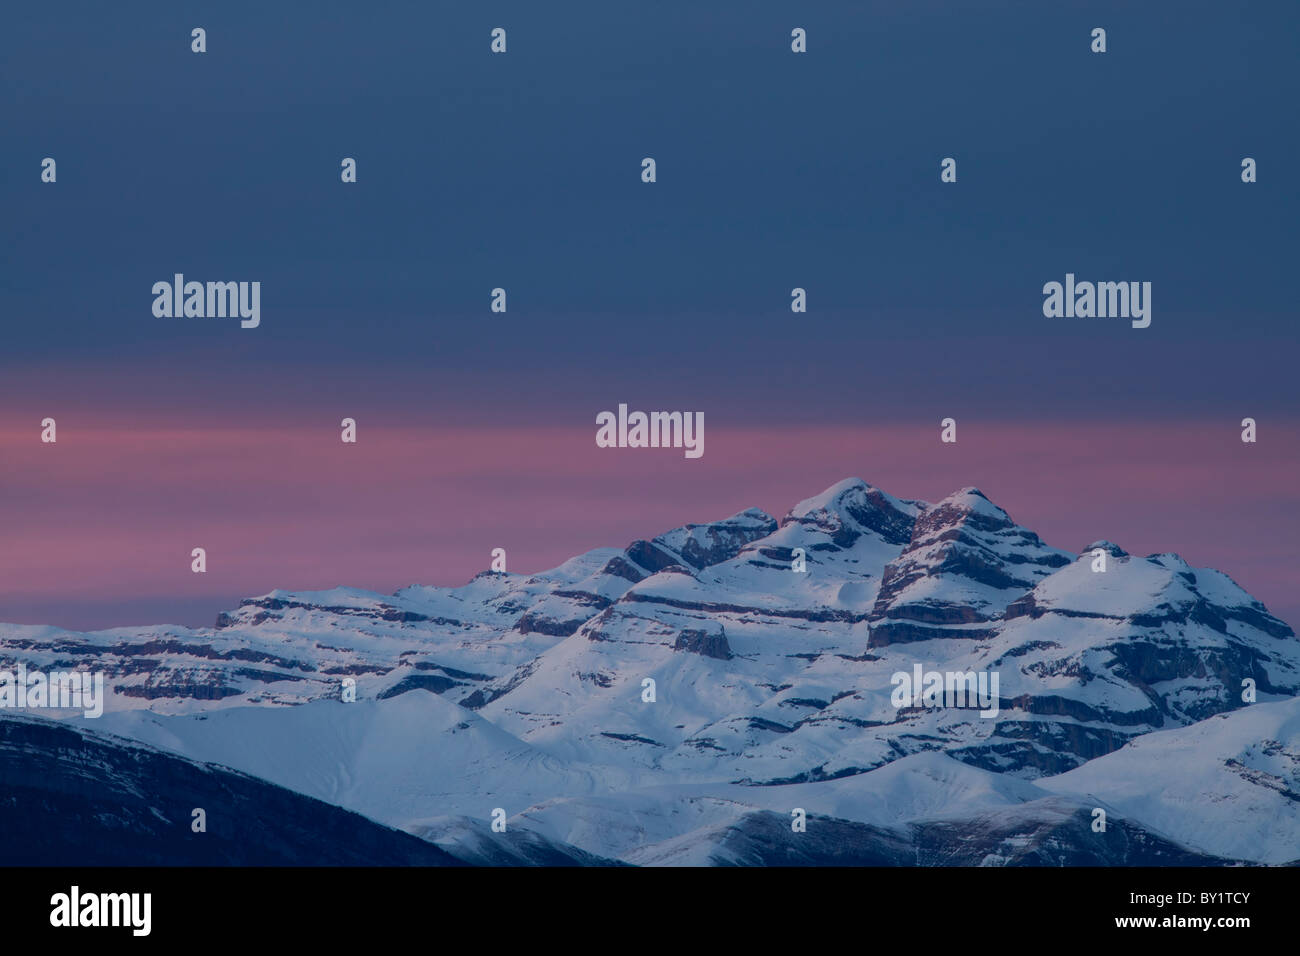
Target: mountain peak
1110,547
852,507
963,503
826,500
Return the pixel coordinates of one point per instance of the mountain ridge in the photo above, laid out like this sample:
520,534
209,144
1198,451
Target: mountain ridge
743,655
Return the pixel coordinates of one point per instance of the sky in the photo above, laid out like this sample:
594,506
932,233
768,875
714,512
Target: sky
522,171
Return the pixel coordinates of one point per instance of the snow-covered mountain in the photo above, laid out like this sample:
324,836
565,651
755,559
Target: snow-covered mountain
668,701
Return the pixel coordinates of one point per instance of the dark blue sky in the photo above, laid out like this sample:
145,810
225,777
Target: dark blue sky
775,170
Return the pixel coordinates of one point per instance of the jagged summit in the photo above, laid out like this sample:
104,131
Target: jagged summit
851,508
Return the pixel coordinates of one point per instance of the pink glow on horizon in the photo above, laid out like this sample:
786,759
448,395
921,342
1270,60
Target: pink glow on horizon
106,518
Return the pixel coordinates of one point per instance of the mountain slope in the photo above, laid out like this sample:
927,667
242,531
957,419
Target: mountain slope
97,801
